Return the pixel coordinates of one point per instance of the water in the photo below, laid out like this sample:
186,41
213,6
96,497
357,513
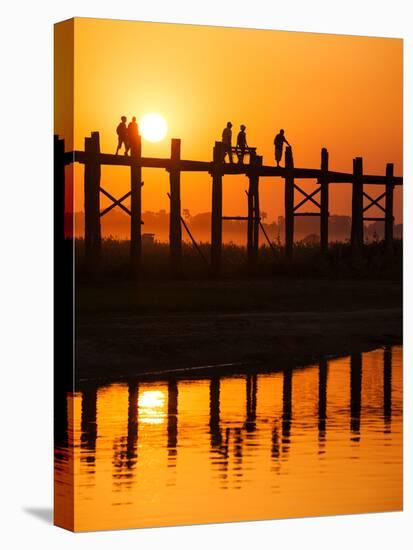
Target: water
324,439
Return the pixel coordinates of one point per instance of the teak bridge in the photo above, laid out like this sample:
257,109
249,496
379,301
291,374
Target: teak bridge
93,159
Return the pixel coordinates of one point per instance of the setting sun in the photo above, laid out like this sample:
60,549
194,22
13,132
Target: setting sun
153,127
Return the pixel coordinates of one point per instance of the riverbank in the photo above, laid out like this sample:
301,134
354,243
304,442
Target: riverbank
124,331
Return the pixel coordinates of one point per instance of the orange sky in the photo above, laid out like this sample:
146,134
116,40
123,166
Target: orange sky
339,92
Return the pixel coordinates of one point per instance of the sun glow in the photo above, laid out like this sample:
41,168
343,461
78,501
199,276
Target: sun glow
153,127
151,405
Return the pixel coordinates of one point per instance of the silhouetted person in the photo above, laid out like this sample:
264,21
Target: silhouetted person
279,141
133,135
227,142
122,132
241,144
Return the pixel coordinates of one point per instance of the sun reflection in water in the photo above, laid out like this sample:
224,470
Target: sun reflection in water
325,439
151,405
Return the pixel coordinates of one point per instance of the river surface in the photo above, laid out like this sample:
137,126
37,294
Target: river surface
318,440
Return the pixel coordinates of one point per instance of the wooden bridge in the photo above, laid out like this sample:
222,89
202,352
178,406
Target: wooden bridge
93,159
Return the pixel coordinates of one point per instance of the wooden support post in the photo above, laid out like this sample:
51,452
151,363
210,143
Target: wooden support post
256,224
136,209
92,204
289,203
324,202
216,222
175,231
388,218
357,209
250,221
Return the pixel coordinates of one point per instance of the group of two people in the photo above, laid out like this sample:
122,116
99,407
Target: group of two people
241,146
227,143
128,136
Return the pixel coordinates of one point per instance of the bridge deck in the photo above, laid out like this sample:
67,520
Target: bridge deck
226,168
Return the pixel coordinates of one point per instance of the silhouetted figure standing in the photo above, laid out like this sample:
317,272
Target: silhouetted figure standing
241,144
227,142
122,132
279,141
133,135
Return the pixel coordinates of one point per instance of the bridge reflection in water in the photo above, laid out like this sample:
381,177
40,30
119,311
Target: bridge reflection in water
323,439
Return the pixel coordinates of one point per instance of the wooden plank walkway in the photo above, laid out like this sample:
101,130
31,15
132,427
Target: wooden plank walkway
227,168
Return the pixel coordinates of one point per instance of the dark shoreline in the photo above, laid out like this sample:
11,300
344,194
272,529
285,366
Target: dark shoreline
223,370
134,331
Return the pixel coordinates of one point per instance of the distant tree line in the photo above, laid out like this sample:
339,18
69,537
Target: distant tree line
116,224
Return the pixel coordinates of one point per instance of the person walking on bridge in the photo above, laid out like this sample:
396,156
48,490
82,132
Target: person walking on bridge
122,132
279,141
241,144
133,136
227,142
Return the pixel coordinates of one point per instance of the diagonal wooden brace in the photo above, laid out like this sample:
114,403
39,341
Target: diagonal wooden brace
374,202
308,197
116,202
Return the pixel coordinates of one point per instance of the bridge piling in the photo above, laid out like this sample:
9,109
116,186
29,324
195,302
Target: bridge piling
324,213
357,240
136,208
289,203
256,223
251,212
216,217
388,217
92,204
175,229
